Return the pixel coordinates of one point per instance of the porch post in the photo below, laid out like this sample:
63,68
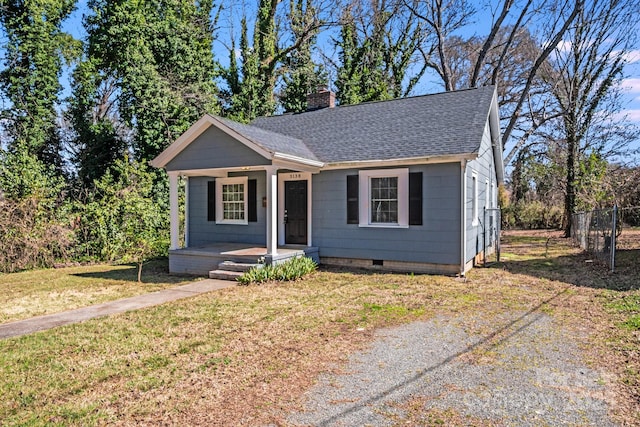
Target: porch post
272,211
186,211
173,210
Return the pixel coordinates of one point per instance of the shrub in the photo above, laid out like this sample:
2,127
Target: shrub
291,269
121,220
33,230
531,215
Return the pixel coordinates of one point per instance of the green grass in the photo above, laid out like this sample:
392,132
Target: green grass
39,292
627,307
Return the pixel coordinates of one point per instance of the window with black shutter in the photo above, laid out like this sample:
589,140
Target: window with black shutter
352,199
252,202
211,201
393,198
415,198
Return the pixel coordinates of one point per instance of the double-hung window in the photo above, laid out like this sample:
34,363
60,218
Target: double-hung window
384,198
231,203
474,198
487,193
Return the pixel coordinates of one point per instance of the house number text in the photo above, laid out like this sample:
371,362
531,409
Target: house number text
295,176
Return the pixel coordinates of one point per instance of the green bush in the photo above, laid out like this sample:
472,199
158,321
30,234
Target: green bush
121,221
33,227
291,269
531,215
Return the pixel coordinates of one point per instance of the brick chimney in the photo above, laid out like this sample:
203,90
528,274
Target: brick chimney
322,98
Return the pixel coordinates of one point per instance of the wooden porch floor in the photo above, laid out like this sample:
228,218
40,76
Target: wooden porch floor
240,250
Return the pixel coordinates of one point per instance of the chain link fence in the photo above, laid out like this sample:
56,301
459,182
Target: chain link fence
598,233
595,233
627,256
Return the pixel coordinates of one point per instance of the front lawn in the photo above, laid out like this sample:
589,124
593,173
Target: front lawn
245,355
38,292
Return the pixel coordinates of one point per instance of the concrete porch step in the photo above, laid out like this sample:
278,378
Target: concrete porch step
230,270
237,266
225,275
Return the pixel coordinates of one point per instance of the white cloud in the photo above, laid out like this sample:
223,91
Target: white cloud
564,46
633,56
631,85
632,115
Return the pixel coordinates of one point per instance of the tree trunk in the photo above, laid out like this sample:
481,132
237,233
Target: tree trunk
570,196
140,272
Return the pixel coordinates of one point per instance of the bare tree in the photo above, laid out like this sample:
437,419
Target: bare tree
442,19
588,67
527,30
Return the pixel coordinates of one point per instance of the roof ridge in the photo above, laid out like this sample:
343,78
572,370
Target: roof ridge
381,101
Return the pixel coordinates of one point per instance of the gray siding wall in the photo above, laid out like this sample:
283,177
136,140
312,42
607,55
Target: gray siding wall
436,241
203,232
485,168
215,149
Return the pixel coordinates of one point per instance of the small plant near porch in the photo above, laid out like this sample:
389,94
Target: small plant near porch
291,269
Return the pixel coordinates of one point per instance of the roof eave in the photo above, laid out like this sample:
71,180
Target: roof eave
357,164
297,159
496,138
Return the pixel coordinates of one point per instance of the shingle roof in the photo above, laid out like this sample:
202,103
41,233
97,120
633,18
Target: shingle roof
271,141
449,123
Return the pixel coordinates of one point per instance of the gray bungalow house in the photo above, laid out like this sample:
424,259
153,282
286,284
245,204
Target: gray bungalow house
399,185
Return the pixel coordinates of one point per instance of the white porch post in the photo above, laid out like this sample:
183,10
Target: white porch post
173,210
272,211
186,211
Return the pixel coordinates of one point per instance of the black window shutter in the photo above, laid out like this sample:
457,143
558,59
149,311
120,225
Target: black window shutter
352,199
415,198
211,201
252,203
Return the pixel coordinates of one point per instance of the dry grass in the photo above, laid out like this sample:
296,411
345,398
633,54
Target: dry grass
39,292
245,355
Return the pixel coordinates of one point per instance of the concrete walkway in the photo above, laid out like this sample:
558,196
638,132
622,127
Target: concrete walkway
41,323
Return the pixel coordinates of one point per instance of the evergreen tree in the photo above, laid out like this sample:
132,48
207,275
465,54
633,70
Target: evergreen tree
350,71
36,50
159,53
252,85
92,112
376,48
302,76
254,90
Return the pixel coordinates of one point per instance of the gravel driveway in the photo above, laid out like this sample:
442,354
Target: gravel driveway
522,369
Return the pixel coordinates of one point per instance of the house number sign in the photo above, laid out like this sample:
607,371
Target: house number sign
295,176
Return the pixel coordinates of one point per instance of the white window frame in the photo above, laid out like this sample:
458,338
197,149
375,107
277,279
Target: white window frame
364,196
219,204
494,195
474,201
487,192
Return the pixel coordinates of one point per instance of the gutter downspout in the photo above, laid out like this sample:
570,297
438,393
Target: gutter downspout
463,216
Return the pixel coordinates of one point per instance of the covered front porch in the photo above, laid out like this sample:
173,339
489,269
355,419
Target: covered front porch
247,195
205,259
273,224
